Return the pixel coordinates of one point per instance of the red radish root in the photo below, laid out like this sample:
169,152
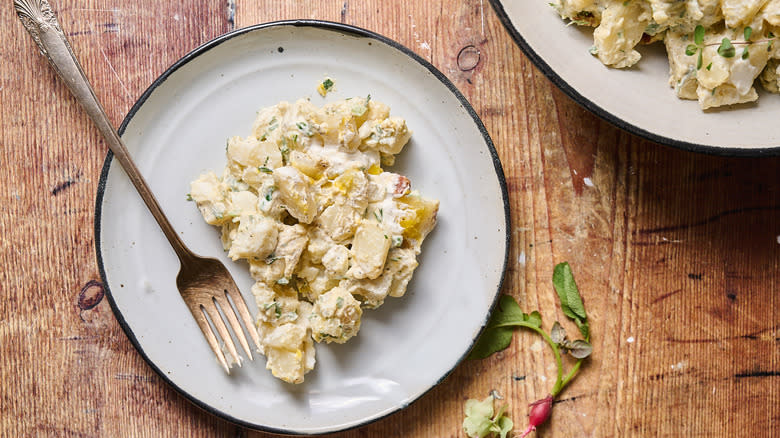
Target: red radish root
540,412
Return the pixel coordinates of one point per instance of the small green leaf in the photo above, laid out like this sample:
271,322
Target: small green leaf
478,417
498,334
535,318
579,349
726,49
481,421
571,302
491,341
699,61
748,33
507,312
557,334
698,35
505,424
745,54
327,84
709,66
691,49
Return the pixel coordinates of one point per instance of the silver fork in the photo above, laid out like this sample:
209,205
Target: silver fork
204,283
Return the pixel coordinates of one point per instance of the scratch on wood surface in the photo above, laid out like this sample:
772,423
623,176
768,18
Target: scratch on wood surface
77,338
231,14
344,12
79,33
482,16
757,374
423,44
118,78
111,28
62,186
765,335
714,218
666,295
114,10
135,377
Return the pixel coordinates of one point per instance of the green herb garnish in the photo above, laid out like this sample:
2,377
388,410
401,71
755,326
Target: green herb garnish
269,193
305,128
482,420
697,46
359,110
726,49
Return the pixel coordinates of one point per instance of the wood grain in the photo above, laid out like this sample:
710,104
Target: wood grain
677,254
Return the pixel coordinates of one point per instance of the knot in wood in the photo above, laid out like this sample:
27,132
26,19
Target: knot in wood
468,58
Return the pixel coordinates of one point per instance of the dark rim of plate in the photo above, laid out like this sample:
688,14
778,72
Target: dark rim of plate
611,118
329,26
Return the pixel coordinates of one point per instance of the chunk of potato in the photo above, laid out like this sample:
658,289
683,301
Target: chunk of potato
297,193
369,250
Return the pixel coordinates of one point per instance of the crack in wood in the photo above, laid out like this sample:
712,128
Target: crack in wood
757,374
666,295
709,220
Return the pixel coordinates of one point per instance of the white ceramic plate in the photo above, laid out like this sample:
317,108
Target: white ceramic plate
178,129
638,99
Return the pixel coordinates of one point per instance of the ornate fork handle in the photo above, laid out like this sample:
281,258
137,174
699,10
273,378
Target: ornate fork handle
39,20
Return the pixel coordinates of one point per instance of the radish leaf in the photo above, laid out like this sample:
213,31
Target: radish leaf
480,421
571,302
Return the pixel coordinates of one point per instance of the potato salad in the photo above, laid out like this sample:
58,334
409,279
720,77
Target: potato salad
716,48
325,230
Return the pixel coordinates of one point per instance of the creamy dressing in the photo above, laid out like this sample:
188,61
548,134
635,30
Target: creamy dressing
339,160
743,73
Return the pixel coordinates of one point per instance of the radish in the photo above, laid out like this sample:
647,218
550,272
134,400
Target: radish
508,316
540,412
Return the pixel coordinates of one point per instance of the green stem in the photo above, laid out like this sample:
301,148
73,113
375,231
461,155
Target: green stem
553,346
572,372
569,376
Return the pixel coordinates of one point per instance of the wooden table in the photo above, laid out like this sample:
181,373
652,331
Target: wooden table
677,254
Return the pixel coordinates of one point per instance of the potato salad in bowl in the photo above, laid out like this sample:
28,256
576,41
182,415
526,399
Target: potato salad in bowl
717,49
325,230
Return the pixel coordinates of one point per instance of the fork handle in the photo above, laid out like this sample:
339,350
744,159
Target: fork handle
41,22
